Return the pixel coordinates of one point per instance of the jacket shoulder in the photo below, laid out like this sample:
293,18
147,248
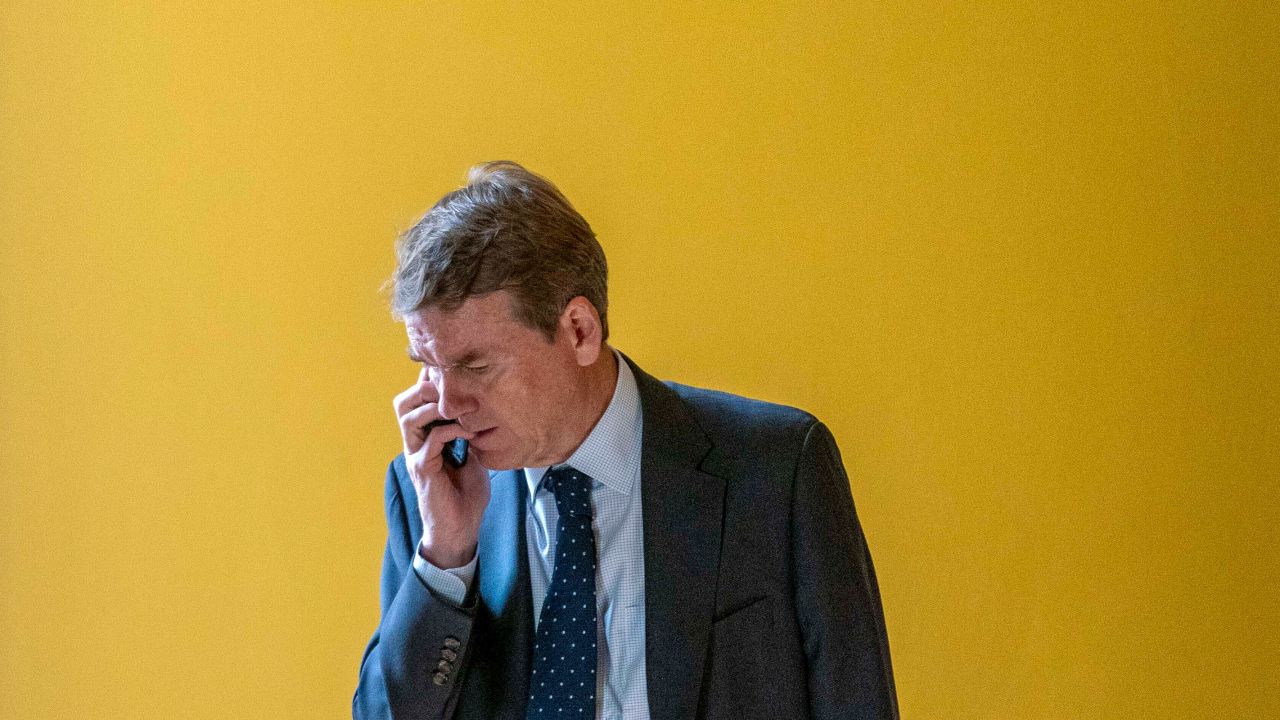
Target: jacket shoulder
745,429
722,408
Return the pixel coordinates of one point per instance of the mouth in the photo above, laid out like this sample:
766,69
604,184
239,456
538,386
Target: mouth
482,434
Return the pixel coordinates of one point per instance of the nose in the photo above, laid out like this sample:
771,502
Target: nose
455,400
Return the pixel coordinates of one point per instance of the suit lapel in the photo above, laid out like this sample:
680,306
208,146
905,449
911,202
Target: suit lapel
504,625
683,509
501,546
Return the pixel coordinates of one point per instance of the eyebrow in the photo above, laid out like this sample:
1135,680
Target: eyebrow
467,359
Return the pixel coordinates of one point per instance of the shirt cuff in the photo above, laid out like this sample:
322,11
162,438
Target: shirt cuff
451,584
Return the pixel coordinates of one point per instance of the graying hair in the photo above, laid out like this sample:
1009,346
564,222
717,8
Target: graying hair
506,229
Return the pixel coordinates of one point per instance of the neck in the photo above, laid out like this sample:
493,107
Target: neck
600,378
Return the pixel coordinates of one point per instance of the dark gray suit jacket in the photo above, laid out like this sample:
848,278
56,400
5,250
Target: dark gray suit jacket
761,600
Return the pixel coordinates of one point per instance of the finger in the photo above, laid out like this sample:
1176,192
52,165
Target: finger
416,395
413,425
440,435
404,401
428,460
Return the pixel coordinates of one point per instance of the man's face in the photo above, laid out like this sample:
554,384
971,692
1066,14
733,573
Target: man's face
498,378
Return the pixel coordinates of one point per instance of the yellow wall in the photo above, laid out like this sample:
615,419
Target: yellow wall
1021,257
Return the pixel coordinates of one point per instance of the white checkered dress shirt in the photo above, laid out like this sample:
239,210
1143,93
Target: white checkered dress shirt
611,456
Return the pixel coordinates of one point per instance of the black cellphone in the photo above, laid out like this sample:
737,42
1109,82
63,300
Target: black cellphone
455,451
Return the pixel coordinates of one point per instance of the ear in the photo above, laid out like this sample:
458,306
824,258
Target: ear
580,324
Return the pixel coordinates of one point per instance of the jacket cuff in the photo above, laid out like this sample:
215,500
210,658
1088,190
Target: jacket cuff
451,584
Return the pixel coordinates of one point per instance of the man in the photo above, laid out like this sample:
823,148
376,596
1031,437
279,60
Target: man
613,546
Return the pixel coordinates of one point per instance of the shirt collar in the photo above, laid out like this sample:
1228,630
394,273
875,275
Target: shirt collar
611,452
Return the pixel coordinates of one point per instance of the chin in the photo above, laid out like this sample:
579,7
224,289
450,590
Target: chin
495,460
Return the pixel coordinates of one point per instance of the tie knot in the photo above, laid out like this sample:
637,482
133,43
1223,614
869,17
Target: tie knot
572,489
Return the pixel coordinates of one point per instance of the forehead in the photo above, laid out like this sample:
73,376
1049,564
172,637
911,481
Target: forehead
482,325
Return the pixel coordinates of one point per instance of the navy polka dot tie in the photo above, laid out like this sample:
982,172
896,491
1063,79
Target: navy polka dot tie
563,683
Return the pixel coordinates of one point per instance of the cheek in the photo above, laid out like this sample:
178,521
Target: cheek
528,406
505,403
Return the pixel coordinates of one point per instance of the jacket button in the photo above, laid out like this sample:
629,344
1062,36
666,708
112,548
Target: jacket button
452,643
444,666
439,678
448,654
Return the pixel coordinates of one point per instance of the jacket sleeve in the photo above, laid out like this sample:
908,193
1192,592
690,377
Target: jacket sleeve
407,672
837,599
